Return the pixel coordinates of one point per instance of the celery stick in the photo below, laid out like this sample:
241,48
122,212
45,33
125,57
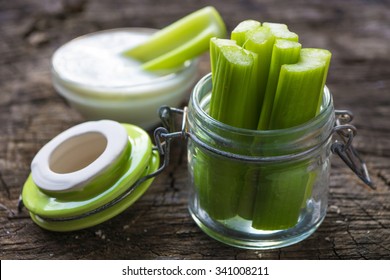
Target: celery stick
319,54
279,196
326,55
260,41
222,190
322,56
239,34
182,40
176,57
234,97
300,89
215,44
283,190
284,52
232,103
248,194
200,164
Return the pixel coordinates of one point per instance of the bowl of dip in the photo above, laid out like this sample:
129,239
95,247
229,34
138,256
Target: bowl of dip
92,74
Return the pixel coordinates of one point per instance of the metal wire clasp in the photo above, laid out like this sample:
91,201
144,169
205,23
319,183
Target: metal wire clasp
164,135
344,149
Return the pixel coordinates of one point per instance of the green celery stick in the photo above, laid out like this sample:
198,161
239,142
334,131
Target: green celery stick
284,52
222,181
283,190
300,89
233,99
280,31
201,161
176,57
319,54
322,55
215,44
239,34
260,41
182,40
279,196
232,103
248,191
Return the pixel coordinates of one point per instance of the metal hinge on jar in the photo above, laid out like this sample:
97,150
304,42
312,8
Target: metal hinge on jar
344,149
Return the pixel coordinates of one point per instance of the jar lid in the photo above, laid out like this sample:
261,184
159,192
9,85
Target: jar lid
79,173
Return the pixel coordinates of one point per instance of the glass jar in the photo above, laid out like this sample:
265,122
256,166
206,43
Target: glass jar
257,189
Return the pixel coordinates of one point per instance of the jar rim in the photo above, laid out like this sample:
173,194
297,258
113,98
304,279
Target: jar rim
327,108
170,76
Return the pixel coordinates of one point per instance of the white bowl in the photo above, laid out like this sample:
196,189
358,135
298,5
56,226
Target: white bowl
90,73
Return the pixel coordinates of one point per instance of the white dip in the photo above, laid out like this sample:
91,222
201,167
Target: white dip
96,60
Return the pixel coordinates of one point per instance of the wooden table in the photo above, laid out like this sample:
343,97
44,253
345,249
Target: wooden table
159,226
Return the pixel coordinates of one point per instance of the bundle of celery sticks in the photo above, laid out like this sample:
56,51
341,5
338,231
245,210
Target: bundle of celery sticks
261,80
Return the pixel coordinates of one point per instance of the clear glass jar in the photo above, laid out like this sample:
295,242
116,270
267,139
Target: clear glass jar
257,189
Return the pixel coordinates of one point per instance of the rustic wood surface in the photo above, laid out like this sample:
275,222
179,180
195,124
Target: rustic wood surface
158,226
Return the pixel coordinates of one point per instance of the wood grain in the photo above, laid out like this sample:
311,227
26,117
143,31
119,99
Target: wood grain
158,226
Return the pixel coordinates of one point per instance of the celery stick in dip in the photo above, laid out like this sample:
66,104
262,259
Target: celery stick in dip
184,39
97,60
98,81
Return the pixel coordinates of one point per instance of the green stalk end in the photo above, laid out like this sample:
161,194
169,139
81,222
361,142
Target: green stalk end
300,89
281,31
182,40
284,52
233,90
261,41
239,34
